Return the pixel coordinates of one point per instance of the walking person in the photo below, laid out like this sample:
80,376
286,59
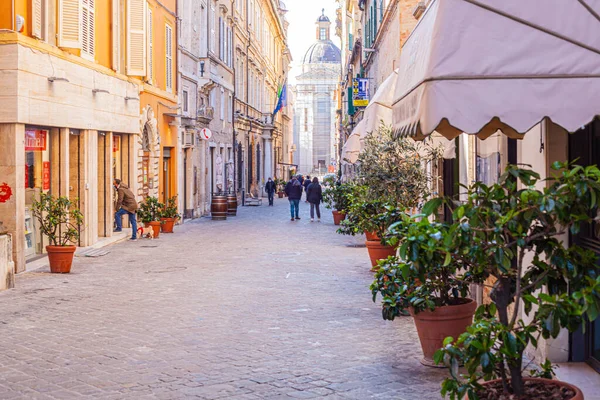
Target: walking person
293,189
305,183
314,195
126,204
270,189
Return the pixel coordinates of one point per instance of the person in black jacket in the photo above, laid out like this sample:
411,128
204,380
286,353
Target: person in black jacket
270,189
293,189
314,195
305,183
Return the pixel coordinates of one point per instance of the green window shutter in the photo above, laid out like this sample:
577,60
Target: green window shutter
351,110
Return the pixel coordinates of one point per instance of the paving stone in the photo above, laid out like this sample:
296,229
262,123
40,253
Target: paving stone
255,307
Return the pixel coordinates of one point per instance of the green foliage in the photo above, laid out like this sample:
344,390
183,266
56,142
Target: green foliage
280,184
150,210
169,210
422,277
512,232
337,197
59,219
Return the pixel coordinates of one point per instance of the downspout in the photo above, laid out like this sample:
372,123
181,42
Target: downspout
12,11
232,49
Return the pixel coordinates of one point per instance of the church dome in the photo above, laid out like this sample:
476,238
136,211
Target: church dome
323,52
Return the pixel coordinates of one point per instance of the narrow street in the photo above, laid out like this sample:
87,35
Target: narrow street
255,307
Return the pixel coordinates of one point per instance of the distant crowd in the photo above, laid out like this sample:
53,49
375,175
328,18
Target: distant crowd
294,189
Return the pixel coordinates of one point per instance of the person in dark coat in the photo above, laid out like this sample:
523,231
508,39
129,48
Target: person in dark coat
306,182
293,189
314,195
126,204
270,189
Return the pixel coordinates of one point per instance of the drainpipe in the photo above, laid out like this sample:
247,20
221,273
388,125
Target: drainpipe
12,12
232,49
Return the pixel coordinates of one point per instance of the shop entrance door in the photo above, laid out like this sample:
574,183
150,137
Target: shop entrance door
166,174
584,146
104,184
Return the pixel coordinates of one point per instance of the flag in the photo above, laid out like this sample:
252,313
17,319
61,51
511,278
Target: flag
281,98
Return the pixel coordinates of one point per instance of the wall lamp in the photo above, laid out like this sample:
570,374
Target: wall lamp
131,98
366,50
99,91
54,78
202,68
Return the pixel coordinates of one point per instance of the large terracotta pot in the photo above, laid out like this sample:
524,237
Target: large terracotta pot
155,228
578,392
60,258
167,224
338,217
280,194
371,235
378,251
434,326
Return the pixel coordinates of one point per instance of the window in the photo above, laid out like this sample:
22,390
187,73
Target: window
38,19
150,48
222,104
229,108
169,57
69,20
221,41
185,101
87,28
323,34
136,37
213,23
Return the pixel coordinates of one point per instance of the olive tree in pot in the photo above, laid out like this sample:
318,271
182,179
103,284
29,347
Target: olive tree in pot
336,198
169,215
60,222
424,280
512,233
149,213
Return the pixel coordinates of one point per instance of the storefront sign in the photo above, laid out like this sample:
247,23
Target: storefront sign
46,175
360,92
116,143
35,139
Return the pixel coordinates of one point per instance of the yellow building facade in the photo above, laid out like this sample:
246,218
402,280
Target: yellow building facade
88,94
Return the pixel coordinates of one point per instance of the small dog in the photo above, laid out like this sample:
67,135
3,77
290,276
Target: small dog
146,232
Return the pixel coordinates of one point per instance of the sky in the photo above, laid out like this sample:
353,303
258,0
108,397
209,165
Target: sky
302,16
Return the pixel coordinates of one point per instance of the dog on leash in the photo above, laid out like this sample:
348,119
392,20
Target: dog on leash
146,232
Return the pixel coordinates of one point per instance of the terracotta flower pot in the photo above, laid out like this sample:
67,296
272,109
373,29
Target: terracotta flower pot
371,236
280,195
378,251
434,326
155,227
60,258
338,217
167,224
578,392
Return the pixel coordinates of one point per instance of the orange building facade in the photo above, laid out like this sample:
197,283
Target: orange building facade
89,95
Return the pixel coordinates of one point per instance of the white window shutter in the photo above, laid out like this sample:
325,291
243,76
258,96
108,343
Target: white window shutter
150,76
169,57
88,28
69,24
116,36
36,18
136,37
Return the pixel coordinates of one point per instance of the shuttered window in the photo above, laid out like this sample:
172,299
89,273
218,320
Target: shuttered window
150,48
221,42
116,36
169,57
36,18
69,24
213,33
87,28
136,37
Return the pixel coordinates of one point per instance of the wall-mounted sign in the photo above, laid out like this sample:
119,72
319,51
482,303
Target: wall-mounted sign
116,143
205,134
46,175
35,139
360,92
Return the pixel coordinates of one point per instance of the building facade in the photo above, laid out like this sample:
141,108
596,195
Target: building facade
262,61
316,94
88,88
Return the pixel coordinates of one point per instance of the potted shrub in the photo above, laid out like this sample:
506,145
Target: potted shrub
424,281
169,215
280,187
513,234
149,213
59,221
336,198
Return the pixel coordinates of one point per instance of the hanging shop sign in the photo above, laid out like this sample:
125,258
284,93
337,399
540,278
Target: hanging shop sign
205,134
46,175
35,139
360,92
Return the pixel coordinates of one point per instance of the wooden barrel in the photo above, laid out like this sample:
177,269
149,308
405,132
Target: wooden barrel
218,207
232,204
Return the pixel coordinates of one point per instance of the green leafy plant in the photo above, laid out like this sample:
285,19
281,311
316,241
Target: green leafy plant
150,210
169,210
58,218
423,276
336,197
280,184
512,234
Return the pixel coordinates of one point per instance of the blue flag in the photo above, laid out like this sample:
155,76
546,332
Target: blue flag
281,100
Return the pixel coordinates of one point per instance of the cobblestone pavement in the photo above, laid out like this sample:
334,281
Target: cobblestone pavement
255,307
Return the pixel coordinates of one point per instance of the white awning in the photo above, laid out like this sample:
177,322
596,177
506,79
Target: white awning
379,109
477,66
353,145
